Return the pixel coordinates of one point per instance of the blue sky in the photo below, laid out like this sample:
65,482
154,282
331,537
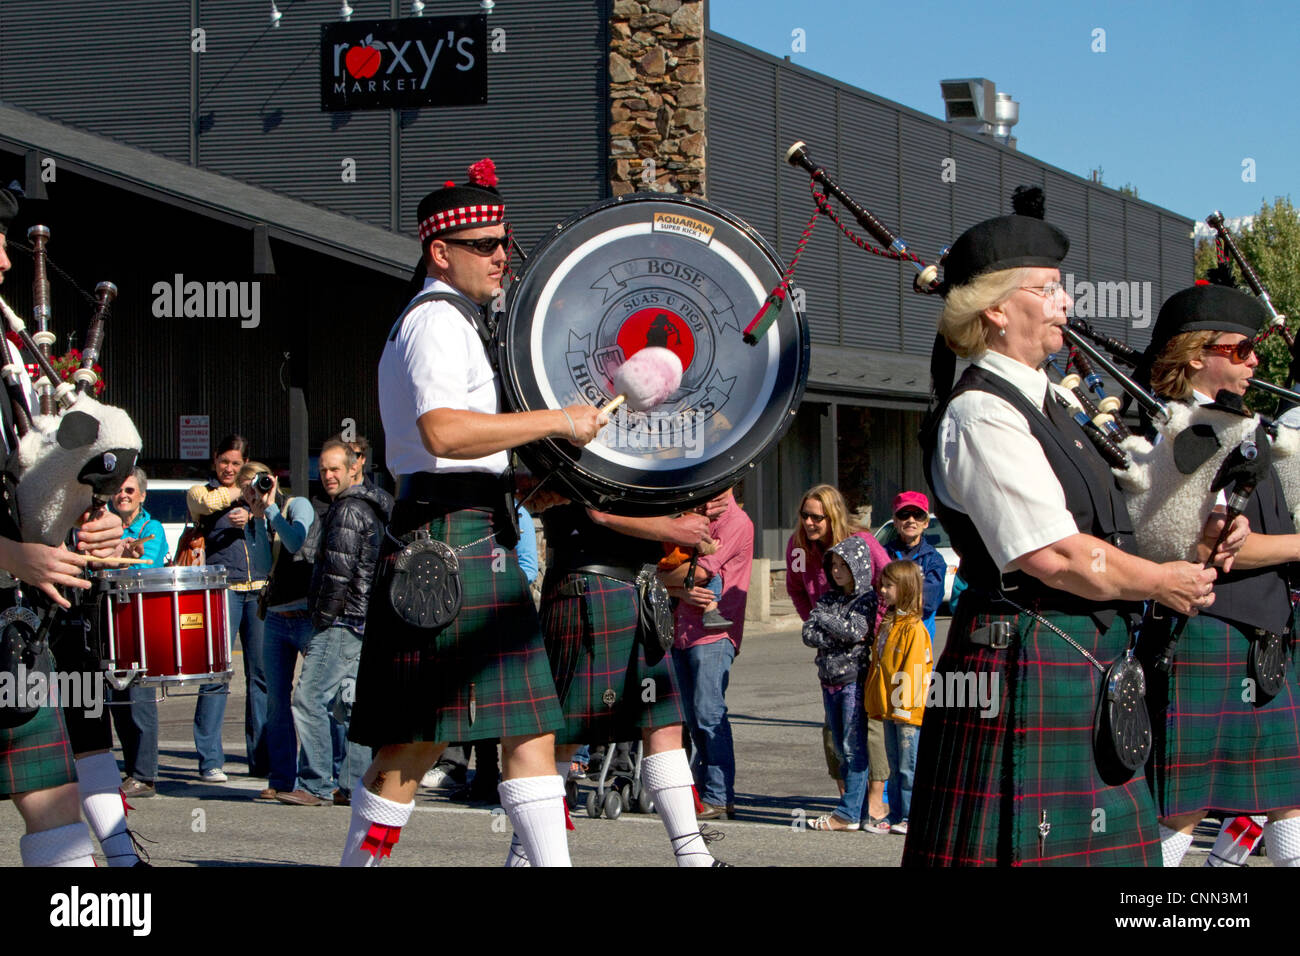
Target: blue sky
1183,94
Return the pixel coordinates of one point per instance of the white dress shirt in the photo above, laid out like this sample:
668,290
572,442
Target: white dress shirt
988,466
436,361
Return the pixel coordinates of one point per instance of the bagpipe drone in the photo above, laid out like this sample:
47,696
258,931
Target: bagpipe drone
73,454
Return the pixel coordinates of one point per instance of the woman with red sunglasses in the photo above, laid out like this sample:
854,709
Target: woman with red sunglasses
1226,739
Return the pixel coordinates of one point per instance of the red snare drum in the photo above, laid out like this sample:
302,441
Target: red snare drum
164,626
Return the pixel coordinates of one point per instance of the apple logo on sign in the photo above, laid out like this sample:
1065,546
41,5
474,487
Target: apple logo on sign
362,61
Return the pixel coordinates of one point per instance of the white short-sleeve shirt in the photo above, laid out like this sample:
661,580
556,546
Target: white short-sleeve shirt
436,361
989,466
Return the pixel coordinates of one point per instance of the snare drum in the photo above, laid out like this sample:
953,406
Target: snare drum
164,626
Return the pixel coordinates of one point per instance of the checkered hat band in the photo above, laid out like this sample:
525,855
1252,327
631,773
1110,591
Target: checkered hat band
458,218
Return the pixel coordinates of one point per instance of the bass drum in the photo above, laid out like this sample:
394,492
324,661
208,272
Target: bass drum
650,269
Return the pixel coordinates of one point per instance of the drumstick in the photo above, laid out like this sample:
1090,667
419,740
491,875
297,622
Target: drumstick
120,561
646,379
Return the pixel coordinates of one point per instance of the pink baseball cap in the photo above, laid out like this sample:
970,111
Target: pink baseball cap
911,498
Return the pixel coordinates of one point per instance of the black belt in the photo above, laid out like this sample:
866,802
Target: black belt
455,491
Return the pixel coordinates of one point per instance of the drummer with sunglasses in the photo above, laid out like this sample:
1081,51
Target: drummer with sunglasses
1222,743
485,675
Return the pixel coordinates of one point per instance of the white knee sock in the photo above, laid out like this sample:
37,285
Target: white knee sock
536,809
516,856
374,828
1283,838
667,776
1238,836
1173,845
62,846
100,786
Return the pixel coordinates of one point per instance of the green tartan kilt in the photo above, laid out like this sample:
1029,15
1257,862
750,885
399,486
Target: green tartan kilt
36,755
1215,748
607,689
983,782
482,677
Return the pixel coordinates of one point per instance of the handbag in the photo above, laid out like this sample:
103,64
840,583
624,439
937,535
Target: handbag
1122,728
425,590
1266,664
22,654
654,615
190,548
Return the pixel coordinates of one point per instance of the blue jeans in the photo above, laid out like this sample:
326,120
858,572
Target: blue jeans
285,638
327,685
703,672
137,729
844,716
901,741
210,709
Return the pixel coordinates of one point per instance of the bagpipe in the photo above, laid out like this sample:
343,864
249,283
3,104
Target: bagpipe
1170,485
73,454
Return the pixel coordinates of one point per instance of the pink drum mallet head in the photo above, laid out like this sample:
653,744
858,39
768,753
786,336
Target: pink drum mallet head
646,379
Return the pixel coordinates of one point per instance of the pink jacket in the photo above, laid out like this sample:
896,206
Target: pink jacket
805,575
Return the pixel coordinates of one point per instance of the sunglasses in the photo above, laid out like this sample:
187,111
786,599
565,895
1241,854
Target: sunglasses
485,246
815,519
917,515
1238,354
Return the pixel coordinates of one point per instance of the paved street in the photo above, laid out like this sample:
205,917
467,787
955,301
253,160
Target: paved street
776,716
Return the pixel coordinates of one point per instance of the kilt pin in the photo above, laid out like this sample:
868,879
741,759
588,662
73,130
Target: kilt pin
984,781
608,690
483,676
1215,747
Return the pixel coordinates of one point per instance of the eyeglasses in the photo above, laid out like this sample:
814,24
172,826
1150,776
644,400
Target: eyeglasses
1238,353
1049,290
485,246
128,491
910,516
815,519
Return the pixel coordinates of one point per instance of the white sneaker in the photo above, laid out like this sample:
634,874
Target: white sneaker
436,779
213,776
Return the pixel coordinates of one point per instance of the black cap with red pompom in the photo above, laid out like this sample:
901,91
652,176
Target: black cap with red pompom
476,203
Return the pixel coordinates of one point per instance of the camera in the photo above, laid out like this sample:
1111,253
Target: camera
263,483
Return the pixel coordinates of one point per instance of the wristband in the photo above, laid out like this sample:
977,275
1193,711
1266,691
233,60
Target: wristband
572,431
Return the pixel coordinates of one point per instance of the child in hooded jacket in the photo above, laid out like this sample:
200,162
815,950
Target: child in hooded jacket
899,680
839,626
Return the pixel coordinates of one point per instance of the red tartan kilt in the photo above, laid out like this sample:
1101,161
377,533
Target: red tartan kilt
607,689
983,781
482,677
1215,748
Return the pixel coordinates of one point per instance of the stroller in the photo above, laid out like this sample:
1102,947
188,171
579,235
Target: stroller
618,783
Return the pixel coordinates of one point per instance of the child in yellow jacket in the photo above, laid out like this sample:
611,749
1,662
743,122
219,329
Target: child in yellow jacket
899,681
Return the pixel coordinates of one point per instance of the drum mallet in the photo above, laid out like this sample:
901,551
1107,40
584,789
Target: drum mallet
646,379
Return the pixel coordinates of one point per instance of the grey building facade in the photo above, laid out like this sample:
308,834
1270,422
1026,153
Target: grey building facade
186,138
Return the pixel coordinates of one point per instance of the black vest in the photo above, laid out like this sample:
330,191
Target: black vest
224,543
575,541
1091,494
1259,598
291,573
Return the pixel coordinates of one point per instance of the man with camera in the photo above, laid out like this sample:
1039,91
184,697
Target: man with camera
344,553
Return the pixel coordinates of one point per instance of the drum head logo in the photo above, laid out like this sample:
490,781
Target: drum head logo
666,302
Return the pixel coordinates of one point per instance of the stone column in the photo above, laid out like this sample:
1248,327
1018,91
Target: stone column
656,76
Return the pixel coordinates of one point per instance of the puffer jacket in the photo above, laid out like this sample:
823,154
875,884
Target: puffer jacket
840,625
346,556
